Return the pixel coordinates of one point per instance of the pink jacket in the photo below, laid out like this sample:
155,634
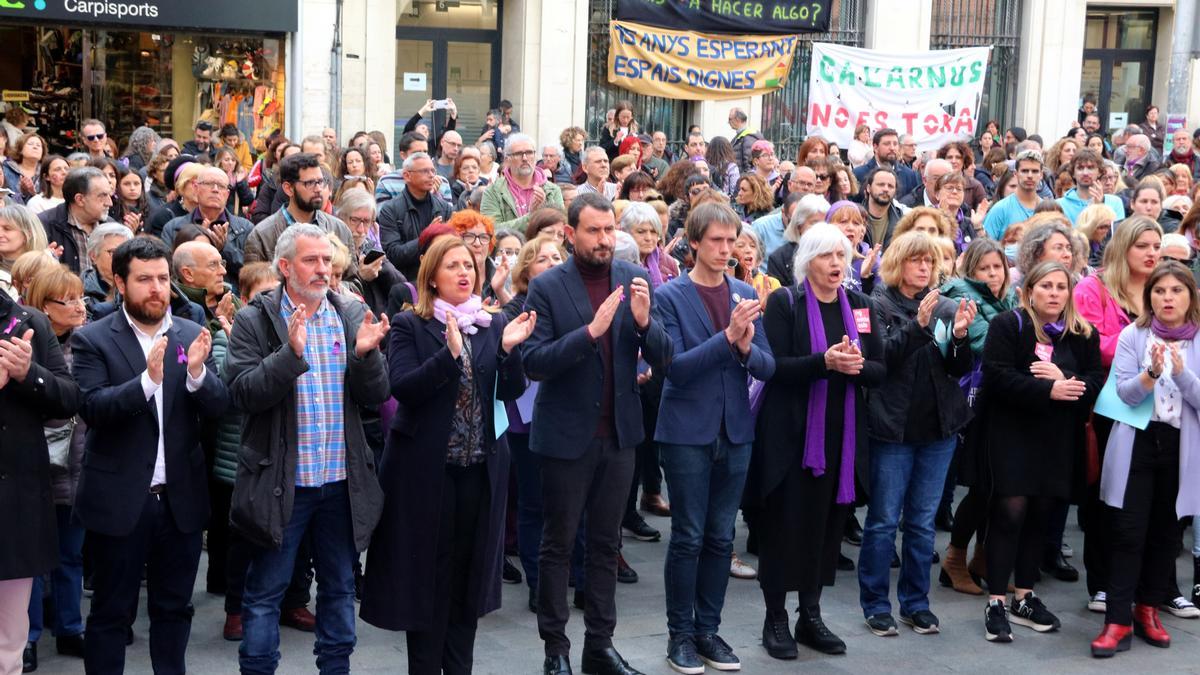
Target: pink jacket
1100,308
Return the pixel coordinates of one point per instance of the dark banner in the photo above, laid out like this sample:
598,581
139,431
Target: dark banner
265,16
741,17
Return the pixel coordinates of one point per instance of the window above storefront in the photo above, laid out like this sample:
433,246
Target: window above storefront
469,14
1121,29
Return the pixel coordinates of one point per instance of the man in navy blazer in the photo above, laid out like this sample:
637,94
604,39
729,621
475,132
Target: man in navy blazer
705,431
593,321
147,380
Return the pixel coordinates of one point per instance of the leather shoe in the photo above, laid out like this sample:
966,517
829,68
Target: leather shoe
533,604
299,618
844,564
1057,566
656,505
812,632
777,638
1114,638
556,665
625,573
29,658
233,628
69,645
606,662
1147,626
579,599
852,532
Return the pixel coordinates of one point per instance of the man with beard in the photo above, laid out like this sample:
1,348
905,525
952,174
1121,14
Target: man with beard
520,189
302,181
593,319
302,362
143,493
1086,168
1018,206
405,216
882,212
886,144
1183,153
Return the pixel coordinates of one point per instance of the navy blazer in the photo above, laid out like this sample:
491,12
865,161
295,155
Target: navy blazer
706,381
122,437
569,365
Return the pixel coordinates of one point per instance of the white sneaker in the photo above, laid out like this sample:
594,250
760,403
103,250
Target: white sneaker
1098,603
738,569
1067,551
1182,608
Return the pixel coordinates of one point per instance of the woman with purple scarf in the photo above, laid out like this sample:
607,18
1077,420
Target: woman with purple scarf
811,428
914,420
1151,476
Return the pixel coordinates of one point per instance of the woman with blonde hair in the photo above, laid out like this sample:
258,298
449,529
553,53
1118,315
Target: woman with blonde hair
20,233
1095,223
859,152
1060,155
752,198
927,219
1041,373
1110,300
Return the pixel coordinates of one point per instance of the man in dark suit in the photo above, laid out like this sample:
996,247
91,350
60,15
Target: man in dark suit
705,430
143,493
587,422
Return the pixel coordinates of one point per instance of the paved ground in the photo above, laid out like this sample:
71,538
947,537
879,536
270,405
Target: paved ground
508,643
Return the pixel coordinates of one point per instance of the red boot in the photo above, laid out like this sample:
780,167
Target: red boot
1147,626
1114,638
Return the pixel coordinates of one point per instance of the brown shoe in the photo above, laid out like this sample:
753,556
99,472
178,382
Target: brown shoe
656,505
299,618
233,628
954,572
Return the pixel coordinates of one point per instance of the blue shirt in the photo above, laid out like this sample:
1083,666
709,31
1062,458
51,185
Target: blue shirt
769,230
1007,211
1072,205
320,415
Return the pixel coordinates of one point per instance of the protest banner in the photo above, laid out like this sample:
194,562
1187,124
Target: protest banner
934,95
681,64
742,17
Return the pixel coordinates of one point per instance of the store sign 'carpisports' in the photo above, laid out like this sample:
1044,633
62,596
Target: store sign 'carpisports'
934,95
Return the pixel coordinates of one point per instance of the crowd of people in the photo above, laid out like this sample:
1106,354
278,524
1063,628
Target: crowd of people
307,357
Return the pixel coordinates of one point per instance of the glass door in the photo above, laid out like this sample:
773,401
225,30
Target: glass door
1118,63
469,83
414,80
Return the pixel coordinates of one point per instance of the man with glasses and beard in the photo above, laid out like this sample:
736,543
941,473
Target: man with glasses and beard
520,189
406,215
303,182
149,386
593,320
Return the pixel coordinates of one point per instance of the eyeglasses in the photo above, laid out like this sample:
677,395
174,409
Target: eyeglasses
217,264
522,154
314,183
96,137
508,251
360,222
215,185
476,238
429,171
697,191
73,302
953,189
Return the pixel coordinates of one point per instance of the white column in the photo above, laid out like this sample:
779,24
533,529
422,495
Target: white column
368,67
898,25
1051,62
544,65
313,53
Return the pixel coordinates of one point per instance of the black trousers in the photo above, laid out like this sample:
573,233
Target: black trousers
449,644
1016,534
1145,534
170,558
598,481
1094,517
229,555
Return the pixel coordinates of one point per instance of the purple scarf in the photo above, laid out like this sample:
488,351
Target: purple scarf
653,269
1054,330
818,393
1185,331
469,316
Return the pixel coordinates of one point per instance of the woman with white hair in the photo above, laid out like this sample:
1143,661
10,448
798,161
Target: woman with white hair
643,223
810,209
828,352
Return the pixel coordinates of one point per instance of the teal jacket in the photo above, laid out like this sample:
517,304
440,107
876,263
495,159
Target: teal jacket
989,307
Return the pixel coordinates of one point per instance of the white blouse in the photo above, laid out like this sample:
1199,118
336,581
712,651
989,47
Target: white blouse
1168,401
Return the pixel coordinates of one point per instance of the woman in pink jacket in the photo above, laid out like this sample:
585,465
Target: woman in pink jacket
1112,299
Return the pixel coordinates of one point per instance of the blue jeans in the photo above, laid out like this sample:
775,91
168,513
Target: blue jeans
326,510
905,478
66,583
705,483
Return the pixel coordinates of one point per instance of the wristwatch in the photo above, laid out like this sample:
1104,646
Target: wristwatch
1153,375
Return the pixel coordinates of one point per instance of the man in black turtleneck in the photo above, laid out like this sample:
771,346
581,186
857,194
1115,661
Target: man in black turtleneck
593,319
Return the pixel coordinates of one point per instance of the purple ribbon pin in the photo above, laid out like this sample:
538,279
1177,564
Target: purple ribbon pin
337,348
180,355
12,323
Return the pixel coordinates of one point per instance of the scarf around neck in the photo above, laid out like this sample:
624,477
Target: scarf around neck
470,315
818,394
1185,331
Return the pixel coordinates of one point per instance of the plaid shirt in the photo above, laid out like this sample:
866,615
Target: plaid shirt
320,416
81,239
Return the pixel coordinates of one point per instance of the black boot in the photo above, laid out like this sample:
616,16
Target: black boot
777,639
1054,564
29,658
811,631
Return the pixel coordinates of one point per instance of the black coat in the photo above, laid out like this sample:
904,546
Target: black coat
30,534
912,353
399,593
1024,443
122,439
400,225
569,365
58,231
